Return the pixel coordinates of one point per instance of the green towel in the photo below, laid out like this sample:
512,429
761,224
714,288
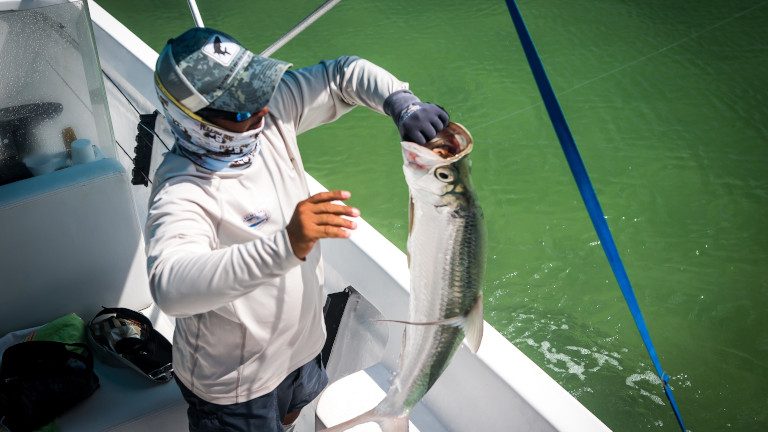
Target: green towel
69,328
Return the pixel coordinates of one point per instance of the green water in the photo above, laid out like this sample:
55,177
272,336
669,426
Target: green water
667,102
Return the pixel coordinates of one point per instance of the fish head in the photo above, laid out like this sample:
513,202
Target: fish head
438,172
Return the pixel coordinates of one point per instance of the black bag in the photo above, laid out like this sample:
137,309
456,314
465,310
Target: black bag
123,337
40,380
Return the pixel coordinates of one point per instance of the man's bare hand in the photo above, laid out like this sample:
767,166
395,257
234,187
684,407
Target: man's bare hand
317,217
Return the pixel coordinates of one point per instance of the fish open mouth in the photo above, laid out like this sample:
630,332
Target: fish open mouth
451,141
451,145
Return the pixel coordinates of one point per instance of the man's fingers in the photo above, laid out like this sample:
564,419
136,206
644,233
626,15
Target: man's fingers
317,217
417,137
336,209
329,196
332,220
322,231
428,131
329,231
443,116
437,124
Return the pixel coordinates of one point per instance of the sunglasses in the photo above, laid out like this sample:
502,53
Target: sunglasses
212,113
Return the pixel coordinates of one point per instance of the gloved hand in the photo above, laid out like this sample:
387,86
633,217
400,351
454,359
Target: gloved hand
417,121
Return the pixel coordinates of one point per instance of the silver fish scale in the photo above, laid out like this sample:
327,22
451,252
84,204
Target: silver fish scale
446,252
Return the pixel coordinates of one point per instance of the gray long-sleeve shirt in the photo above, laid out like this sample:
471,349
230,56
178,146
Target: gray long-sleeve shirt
248,312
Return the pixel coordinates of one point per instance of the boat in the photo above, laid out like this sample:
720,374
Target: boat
73,242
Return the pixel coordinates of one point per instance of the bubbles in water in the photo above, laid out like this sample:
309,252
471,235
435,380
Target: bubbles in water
571,366
601,357
588,361
651,378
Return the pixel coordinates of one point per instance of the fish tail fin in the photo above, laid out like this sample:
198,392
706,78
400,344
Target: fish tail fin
473,325
366,417
387,423
394,424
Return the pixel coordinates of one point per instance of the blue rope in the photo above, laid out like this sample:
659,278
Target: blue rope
588,195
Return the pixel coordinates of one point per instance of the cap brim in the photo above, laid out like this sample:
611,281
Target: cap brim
253,86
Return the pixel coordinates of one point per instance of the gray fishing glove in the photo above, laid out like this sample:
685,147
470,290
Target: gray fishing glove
417,121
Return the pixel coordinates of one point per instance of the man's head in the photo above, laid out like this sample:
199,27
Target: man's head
208,74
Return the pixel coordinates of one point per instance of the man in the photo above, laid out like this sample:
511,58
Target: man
232,231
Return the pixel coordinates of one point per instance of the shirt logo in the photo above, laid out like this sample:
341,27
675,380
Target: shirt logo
221,49
256,219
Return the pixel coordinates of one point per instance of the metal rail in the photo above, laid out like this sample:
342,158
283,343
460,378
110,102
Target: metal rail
292,33
195,13
300,27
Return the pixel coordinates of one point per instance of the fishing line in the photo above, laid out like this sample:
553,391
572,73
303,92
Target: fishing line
626,65
136,109
584,185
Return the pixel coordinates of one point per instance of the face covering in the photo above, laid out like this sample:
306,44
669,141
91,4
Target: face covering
209,146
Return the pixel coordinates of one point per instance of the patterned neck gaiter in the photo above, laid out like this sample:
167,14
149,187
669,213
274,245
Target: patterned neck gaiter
209,146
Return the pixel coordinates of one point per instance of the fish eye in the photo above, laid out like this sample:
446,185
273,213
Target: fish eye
445,174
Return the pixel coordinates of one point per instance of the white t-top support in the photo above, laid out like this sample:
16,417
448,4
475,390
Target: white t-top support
195,13
300,27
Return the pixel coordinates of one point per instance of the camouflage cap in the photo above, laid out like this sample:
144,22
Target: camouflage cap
204,67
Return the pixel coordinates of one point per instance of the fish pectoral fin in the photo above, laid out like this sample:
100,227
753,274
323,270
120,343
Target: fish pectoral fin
473,325
457,321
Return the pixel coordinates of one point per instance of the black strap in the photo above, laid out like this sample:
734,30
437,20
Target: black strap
143,149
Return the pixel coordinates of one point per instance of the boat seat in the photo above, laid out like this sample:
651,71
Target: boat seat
72,243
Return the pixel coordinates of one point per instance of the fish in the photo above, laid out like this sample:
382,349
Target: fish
446,258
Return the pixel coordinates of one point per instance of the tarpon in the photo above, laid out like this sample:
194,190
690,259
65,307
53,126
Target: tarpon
447,263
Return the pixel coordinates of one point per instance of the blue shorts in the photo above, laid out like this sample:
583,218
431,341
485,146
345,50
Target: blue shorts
265,413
